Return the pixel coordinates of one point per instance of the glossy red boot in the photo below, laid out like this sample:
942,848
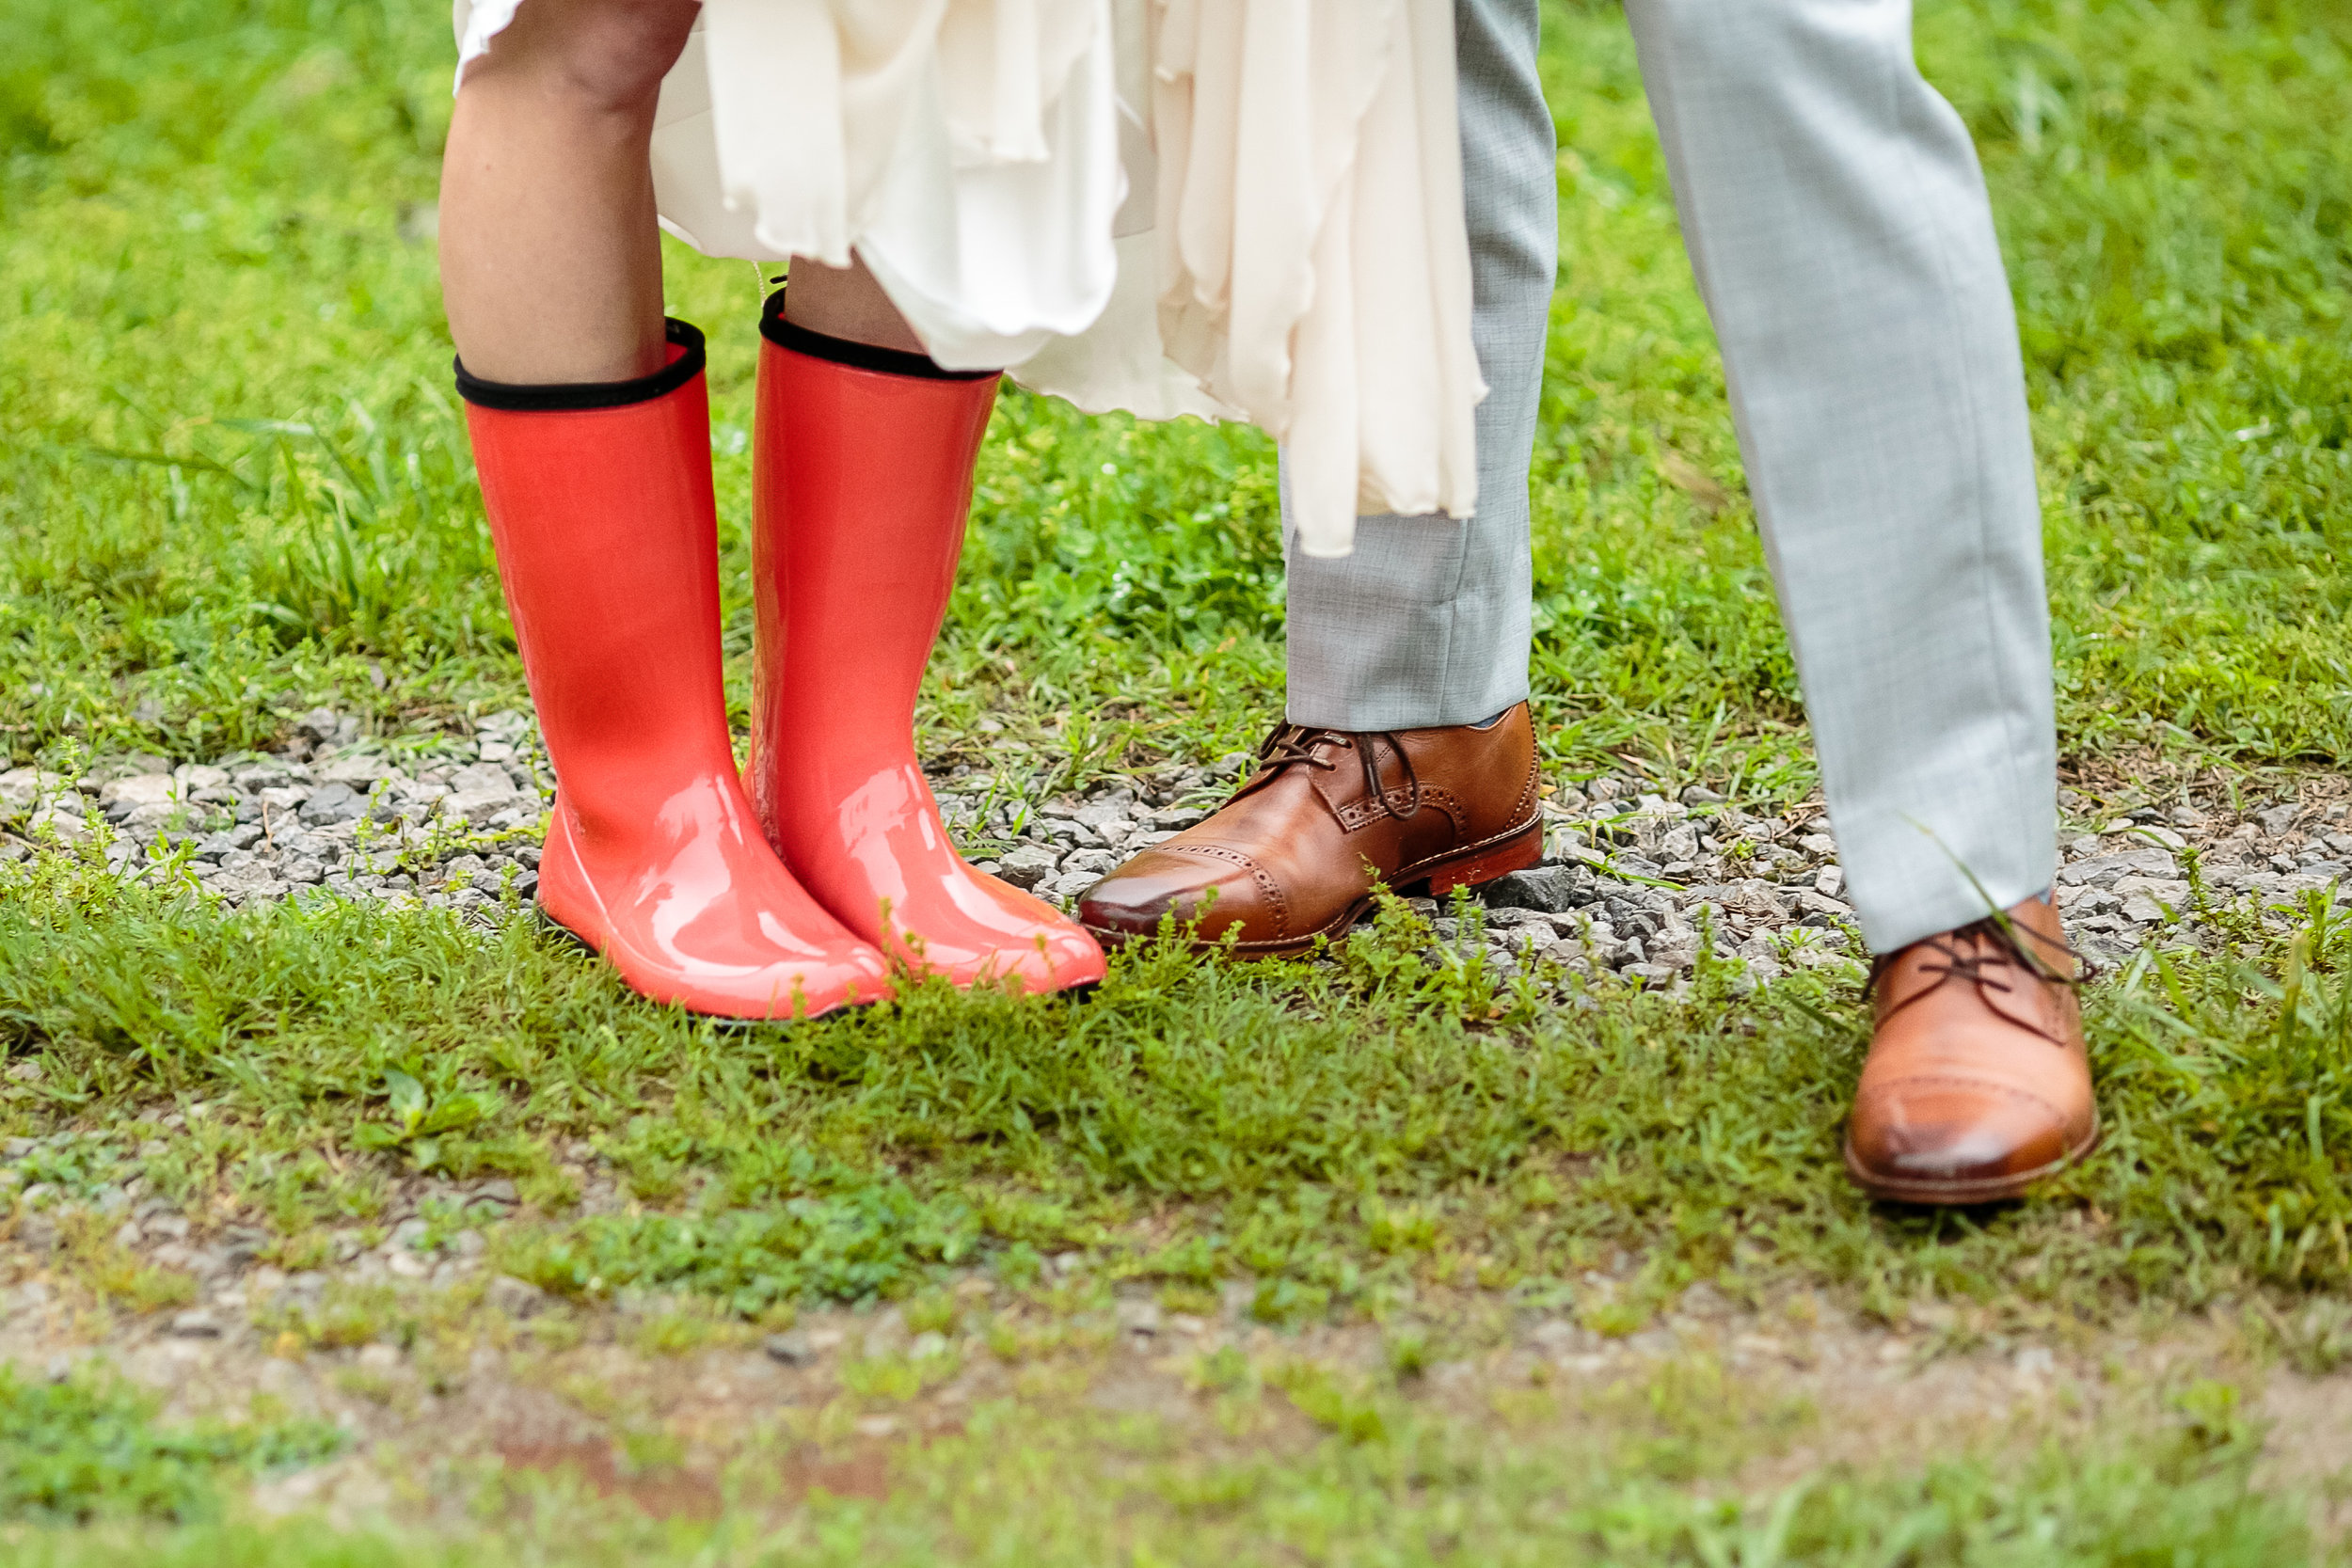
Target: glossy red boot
863,466
600,502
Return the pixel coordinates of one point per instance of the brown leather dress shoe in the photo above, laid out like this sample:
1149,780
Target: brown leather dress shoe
1295,854
1978,1084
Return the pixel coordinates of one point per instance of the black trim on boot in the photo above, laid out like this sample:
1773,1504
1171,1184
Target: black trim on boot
862,356
558,396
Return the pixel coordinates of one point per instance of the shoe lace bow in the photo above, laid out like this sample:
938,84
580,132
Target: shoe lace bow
1292,745
1984,955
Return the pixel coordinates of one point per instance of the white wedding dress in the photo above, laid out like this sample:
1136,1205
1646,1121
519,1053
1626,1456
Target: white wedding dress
1233,208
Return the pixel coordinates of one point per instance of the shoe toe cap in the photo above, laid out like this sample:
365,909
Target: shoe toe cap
1133,900
1954,1131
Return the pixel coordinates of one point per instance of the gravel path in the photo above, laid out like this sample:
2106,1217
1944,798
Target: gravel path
1632,879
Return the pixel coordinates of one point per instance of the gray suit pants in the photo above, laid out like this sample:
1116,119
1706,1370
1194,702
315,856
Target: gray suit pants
1839,229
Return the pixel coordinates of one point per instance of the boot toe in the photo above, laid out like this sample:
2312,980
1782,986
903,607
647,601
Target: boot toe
804,989
1945,1136
1063,958
999,934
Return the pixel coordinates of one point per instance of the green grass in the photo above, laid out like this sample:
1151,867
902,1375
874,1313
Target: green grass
1343,1133
87,1447
234,485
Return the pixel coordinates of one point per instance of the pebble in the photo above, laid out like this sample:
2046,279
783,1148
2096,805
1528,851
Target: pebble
195,1323
516,1298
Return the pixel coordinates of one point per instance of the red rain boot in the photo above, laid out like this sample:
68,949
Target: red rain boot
863,468
599,501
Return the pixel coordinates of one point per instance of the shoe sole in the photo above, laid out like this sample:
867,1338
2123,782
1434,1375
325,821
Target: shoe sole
1474,867
1975,1190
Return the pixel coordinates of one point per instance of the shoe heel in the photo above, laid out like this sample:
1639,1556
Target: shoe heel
1515,853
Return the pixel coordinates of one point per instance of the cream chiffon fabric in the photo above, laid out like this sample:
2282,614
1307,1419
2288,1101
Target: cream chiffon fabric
1230,208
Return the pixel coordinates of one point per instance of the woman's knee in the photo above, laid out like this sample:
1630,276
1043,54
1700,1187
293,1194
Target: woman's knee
609,55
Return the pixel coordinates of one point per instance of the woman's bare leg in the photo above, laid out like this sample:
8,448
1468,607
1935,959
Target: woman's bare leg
847,302
551,259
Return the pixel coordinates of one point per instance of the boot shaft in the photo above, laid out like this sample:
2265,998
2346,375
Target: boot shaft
863,469
600,504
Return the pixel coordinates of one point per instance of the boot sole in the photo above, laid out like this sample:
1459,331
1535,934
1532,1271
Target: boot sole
1965,1192
1474,867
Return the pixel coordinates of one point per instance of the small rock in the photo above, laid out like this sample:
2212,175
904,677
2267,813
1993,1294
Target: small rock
1027,865
141,789
516,1298
67,826
23,788
2279,818
319,725
2107,870
482,791
195,1323
24,1298
212,846
1065,886
792,1348
1546,889
1092,863
358,772
333,802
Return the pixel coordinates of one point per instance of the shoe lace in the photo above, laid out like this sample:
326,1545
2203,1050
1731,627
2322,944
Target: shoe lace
1292,745
1982,954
